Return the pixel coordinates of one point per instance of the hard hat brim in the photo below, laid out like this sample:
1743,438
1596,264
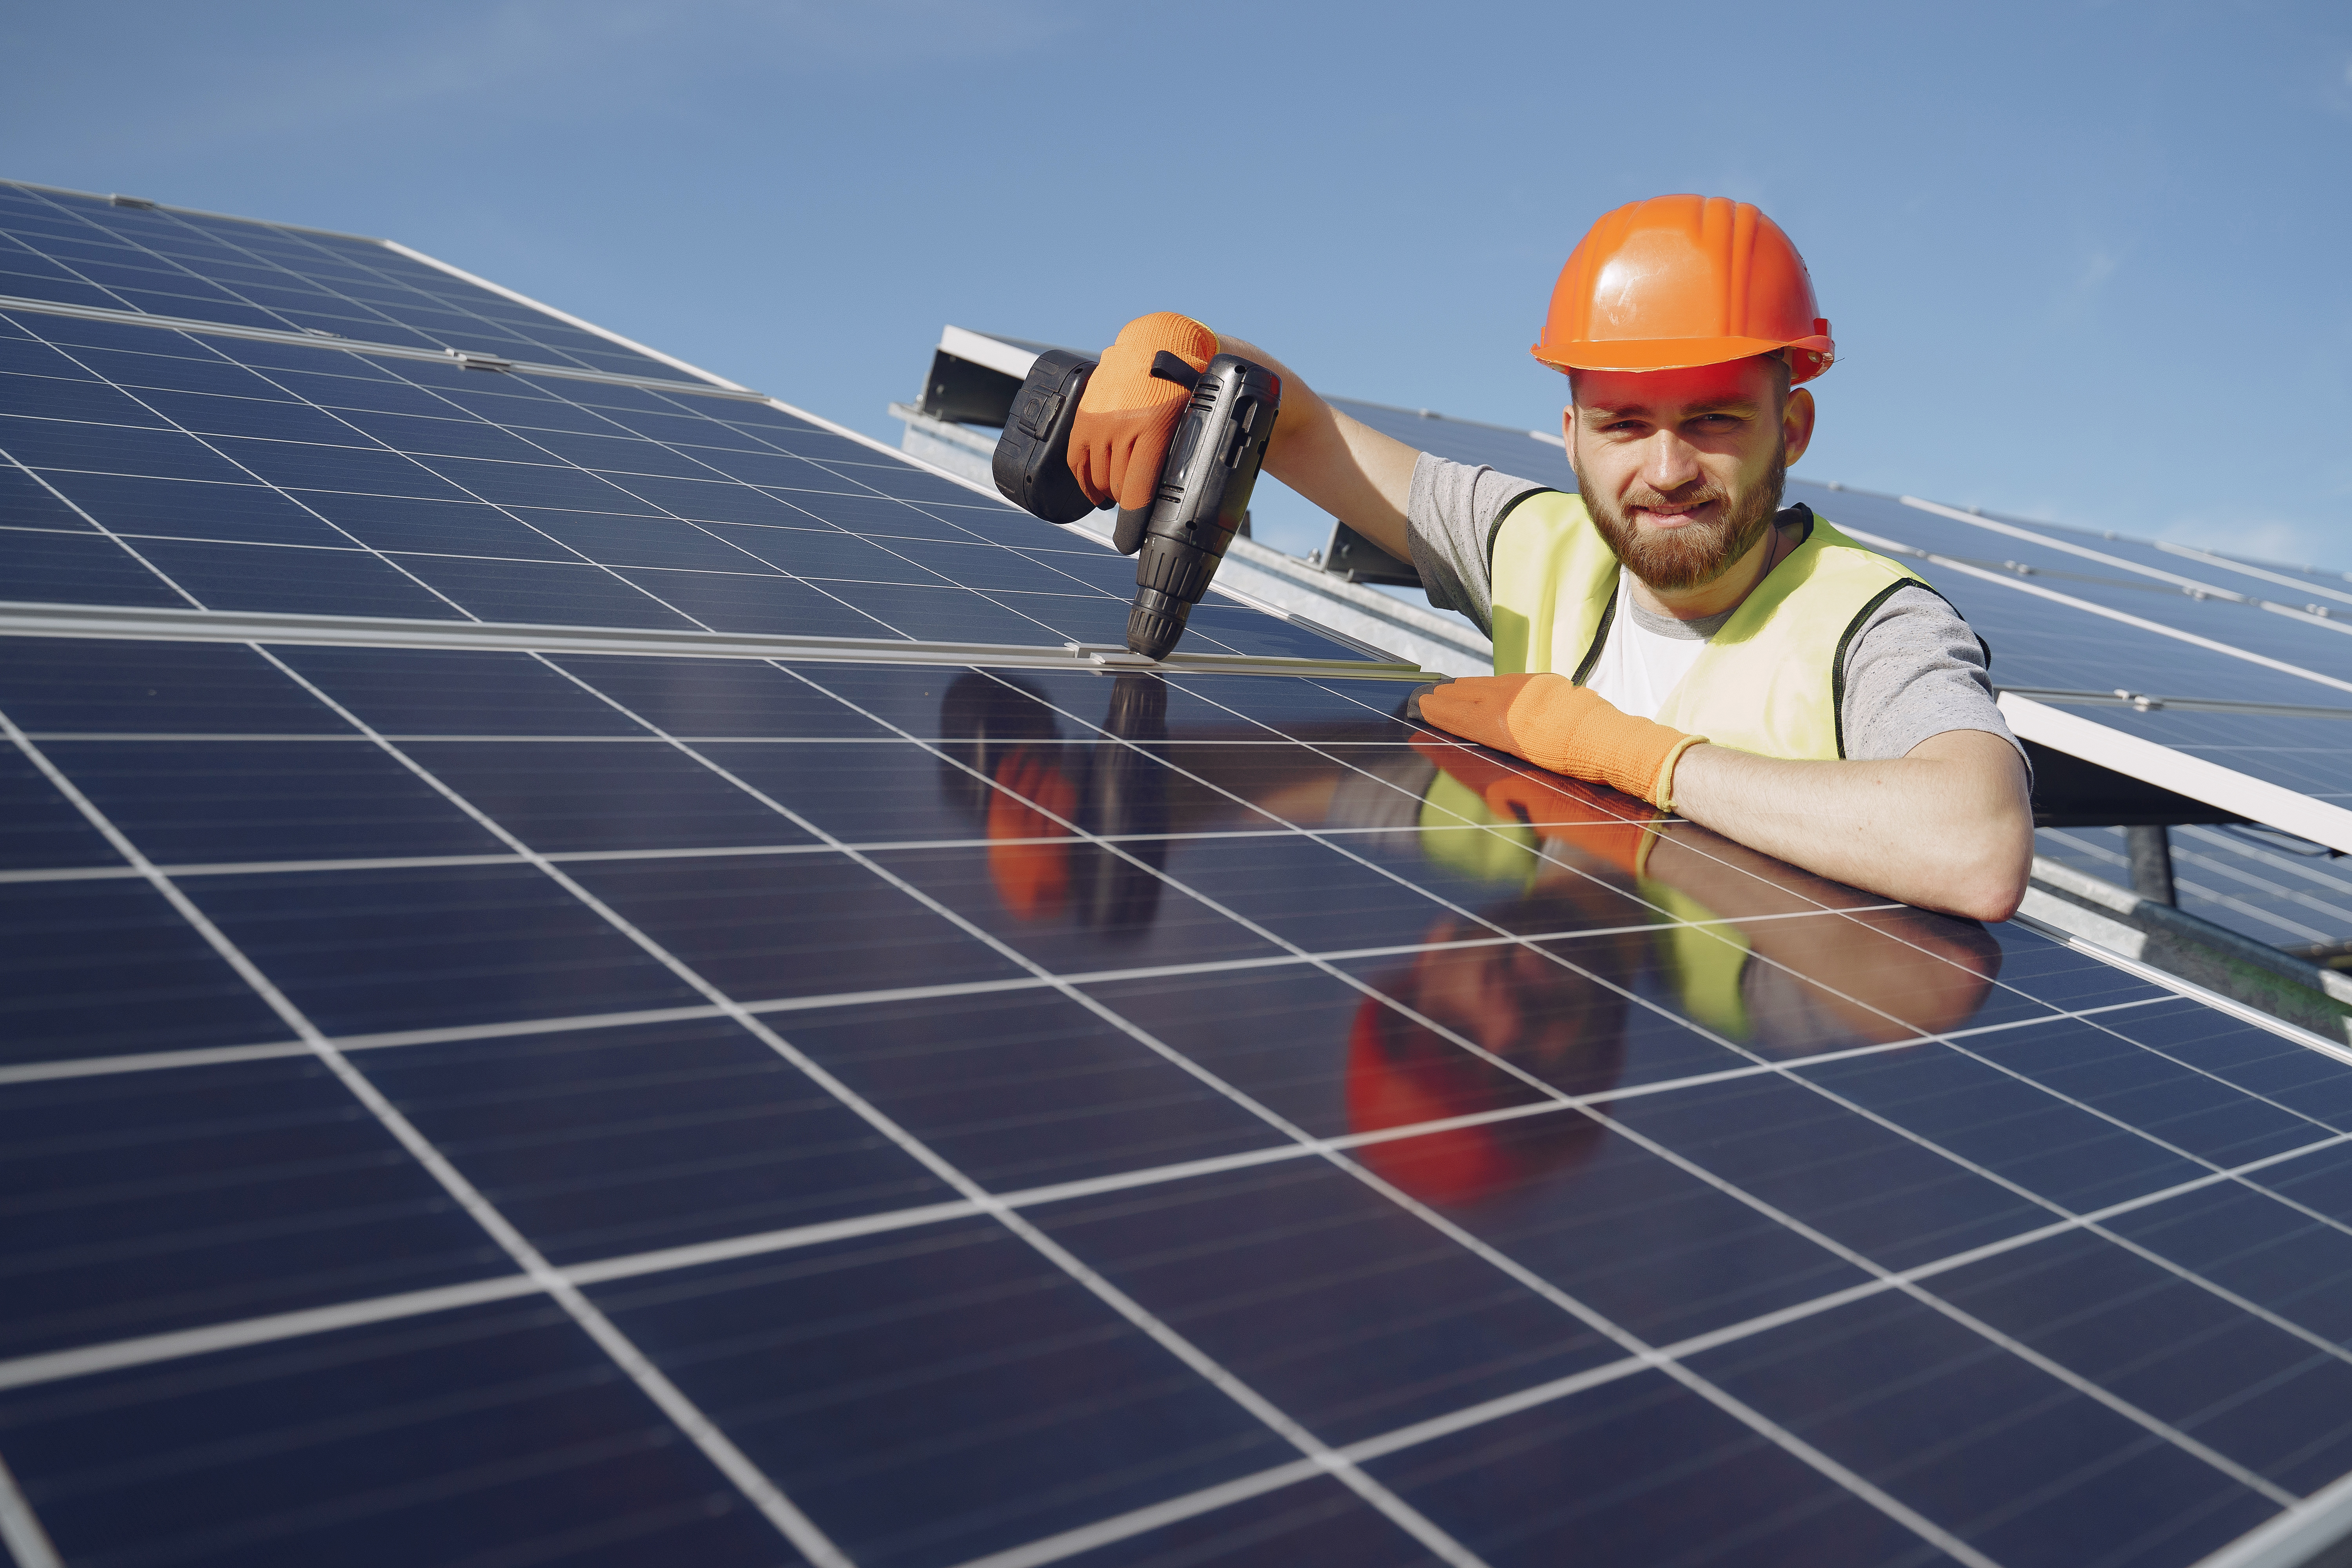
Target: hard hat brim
1676,354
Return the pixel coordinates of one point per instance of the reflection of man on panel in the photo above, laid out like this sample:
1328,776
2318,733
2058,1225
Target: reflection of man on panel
1470,1009
1671,630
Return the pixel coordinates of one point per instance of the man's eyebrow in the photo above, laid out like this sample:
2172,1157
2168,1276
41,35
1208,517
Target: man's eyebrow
1732,403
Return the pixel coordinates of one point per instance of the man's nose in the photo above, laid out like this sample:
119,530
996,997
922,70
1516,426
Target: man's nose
1670,462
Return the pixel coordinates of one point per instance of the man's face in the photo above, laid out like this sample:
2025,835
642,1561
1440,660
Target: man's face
1681,470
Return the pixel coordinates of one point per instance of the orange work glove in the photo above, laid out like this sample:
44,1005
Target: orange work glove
1032,878
1562,811
1119,439
1569,729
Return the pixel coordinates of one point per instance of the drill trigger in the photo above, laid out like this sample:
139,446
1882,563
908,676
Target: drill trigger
1166,366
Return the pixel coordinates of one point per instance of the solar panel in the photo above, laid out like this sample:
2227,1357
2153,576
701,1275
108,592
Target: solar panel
722,1090
1528,454
163,467
71,248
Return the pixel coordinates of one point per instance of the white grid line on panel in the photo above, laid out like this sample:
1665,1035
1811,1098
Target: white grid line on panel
862,491
2194,640
113,236
1125,1526
1788,1069
336,302
2195,587
278,490
1950,1040
116,1355
298,281
20,1528
21,305
697,1429
898,460
556,461
876,846
1372,1492
119,540
1821,1462
564,316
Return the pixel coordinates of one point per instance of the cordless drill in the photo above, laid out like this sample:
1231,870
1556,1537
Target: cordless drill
1204,485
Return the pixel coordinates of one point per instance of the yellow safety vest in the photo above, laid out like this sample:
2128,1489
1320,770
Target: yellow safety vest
1771,681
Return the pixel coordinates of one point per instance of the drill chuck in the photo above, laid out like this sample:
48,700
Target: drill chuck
1204,492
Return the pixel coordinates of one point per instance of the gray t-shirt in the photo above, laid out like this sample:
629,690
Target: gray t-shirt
1913,671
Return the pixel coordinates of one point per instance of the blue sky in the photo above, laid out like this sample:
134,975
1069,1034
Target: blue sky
2086,262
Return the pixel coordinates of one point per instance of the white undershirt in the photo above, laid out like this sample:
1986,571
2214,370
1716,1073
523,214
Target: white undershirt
1639,669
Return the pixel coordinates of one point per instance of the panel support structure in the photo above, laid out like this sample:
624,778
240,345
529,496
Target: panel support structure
2253,799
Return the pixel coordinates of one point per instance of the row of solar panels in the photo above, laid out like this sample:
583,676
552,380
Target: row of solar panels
782,1059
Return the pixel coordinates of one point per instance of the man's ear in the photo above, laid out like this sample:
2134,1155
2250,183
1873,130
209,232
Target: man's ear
1797,422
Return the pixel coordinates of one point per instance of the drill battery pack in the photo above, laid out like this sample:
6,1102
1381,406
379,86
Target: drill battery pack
1032,466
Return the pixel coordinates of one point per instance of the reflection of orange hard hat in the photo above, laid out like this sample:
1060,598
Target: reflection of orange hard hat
1459,1165
1683,280
1401,1074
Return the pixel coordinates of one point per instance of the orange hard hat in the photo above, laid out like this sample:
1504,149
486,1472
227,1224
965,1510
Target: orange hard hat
1684,280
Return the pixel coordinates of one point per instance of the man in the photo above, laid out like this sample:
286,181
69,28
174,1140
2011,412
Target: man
1669,630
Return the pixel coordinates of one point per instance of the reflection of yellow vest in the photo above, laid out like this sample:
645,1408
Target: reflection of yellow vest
1770,681
1702,958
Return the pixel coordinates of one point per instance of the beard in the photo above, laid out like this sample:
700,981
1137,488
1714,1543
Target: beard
1697,554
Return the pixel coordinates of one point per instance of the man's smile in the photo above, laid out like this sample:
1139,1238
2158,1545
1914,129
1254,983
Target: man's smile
1669,517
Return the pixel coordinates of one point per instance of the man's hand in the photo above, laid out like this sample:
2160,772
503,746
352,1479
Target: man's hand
1119,439
1568,728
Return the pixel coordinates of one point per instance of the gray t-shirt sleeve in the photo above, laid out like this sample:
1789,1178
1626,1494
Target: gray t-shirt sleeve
1449,525
1914,670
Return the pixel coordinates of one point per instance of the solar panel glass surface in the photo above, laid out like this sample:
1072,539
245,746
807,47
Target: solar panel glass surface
77,249
1066,1116
160,466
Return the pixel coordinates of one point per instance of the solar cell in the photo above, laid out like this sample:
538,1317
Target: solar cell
503,1096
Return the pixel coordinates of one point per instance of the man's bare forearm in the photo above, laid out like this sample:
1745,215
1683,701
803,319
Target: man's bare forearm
1948,827
1347,467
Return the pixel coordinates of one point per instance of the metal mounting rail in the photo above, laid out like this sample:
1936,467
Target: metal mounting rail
489,362
20,618
2147,701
